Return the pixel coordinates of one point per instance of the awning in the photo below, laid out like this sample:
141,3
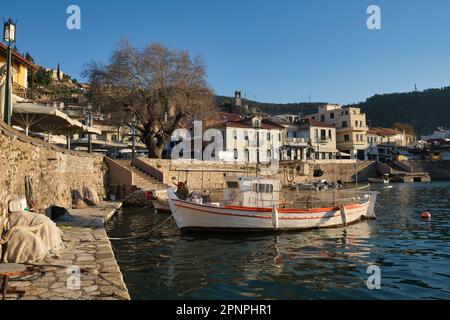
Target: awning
343,154
38,118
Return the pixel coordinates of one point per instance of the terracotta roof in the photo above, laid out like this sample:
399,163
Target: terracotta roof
19,57
384,131
247,123
315,123
221,118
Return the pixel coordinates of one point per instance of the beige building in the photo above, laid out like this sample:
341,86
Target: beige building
351,128
307,139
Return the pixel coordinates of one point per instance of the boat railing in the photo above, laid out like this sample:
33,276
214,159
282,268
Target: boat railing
320,199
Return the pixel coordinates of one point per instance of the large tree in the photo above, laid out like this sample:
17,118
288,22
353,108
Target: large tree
158,89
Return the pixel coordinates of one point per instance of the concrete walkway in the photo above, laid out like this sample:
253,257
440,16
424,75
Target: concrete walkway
89,251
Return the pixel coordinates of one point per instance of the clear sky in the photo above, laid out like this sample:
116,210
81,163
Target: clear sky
274,51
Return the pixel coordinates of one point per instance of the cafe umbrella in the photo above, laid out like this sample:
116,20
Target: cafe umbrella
33,117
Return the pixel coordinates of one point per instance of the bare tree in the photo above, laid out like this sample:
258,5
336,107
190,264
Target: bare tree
160,89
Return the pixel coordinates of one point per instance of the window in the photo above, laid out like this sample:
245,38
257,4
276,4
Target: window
346,137
332,115
246,135
323,135
262,188
235,135
356,123
322,118
236,155
233,185
268,136
279,137
247,155
344,124
330,135
269,154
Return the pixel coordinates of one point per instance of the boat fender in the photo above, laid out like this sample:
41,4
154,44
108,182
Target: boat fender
275,218
344,216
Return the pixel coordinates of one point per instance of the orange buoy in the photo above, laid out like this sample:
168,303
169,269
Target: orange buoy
426,215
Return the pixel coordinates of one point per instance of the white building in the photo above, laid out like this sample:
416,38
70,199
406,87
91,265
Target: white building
253,140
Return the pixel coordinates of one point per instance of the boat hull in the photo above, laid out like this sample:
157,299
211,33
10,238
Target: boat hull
191,216
161,206
376,180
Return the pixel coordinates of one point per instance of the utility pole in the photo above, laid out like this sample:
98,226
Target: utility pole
90,121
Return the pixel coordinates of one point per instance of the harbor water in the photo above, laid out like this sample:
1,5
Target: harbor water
413,255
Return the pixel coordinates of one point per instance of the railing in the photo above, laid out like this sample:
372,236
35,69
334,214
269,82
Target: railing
22,92
308,200
383,168
296,141
141,165
120,173
404,166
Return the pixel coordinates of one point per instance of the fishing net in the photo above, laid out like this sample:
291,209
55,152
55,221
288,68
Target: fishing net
30,238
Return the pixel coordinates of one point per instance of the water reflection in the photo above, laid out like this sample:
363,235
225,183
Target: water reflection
321,264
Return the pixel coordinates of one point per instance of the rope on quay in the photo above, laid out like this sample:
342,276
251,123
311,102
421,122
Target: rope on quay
154,228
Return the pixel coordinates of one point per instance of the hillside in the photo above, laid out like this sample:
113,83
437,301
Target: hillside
425,110
225,103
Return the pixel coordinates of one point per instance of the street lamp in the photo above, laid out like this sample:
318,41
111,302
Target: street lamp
9,36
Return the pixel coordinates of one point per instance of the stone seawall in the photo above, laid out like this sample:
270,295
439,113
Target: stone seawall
208,176
438,170
53,172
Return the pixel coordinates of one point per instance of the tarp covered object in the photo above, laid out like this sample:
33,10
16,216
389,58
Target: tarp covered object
31,237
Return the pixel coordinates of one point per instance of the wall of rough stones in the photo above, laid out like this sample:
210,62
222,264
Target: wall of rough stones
54,172
212,176
438,170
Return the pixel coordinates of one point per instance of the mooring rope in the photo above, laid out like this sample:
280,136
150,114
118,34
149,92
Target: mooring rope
154,228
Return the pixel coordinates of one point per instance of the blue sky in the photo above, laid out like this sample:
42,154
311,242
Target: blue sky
274,51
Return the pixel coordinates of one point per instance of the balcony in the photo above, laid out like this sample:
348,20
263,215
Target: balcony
22,92
296,142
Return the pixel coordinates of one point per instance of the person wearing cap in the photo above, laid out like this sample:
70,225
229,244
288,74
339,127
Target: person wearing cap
182,191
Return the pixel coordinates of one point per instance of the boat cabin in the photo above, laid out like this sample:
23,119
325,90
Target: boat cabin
252,192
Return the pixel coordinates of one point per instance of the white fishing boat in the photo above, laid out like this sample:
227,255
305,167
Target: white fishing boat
253,204
384,179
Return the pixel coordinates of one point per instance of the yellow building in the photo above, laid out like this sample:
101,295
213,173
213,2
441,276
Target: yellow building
23,71
351,128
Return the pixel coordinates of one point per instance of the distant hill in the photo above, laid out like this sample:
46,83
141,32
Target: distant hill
225,103
425,110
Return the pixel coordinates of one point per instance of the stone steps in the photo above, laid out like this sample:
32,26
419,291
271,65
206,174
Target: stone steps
143,181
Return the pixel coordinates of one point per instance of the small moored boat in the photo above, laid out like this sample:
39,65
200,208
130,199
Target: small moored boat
253,204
